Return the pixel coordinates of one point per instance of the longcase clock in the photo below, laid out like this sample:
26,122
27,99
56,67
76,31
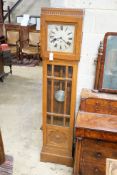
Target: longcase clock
61,35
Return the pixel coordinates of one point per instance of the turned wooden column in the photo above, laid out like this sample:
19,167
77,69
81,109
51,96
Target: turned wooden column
1,11
2,155
1,64
1,17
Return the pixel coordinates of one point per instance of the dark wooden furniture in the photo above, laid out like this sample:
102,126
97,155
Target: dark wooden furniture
1,17
1,29
13,37
2,74
2,155
13,41
33,44
106,71
5,60
59,80
1,11
23,32
96,133
2,39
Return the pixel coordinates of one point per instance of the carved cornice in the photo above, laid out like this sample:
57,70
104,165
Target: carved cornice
62,12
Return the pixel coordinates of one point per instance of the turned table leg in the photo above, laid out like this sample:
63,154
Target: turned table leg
2,155
77,159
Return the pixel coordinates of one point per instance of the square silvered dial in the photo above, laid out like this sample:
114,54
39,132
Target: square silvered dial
60,38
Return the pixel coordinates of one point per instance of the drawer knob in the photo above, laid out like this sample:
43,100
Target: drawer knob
98,155
97,103
99,142
97,108
96,170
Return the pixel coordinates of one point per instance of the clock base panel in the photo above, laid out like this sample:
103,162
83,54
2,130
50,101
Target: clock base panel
56,157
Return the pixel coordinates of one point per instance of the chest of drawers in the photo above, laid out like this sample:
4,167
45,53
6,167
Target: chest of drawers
96,134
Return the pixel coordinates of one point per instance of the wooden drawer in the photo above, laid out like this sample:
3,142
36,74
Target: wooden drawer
93,156
96,150
113,107
96,105
93,168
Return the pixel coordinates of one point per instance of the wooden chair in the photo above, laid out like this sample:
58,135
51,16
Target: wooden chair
13,41
32,45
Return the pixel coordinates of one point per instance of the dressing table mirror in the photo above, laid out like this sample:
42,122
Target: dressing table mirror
106,71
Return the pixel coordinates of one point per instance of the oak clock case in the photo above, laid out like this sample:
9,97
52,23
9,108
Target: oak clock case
59,35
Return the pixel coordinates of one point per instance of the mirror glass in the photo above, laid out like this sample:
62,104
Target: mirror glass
110,65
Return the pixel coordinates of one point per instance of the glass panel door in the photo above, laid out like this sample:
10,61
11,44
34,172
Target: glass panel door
59,86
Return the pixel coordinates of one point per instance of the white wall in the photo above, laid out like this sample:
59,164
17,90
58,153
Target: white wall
100,17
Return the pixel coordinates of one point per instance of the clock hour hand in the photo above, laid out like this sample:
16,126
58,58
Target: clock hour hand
55,39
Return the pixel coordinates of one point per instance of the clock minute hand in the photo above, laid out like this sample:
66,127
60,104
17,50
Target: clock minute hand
63,40
68,43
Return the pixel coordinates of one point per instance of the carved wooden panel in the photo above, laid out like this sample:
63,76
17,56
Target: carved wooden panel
65,12
55,137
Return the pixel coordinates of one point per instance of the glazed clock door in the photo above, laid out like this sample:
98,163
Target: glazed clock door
59,86
59,97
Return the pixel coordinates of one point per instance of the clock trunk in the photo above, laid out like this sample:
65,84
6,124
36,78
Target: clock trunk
59,92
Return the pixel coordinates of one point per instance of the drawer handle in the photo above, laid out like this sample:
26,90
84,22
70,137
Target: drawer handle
98,155
96,170
97,108
97,103
99,141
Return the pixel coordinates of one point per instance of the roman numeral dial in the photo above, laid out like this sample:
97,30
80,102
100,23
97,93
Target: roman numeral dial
60,38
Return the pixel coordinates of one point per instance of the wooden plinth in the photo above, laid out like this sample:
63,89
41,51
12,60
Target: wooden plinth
59,157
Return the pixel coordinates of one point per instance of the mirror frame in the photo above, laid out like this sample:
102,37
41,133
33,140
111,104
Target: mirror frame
100,65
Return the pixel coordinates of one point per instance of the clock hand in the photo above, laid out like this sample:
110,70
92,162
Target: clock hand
63,40
55,39
68,43
52,41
